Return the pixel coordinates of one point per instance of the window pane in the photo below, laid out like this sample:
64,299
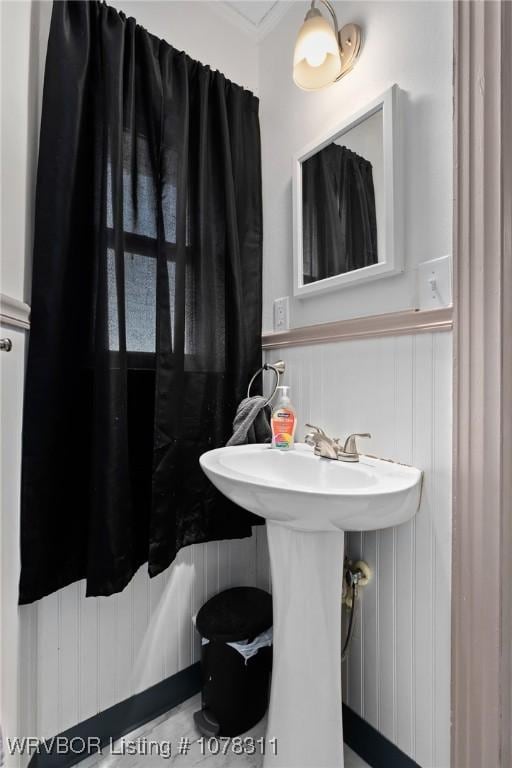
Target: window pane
139,193
140,302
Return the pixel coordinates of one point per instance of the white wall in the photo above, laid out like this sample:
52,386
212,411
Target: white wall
11,396
78,656
397,676
66,658
20,76
201,32
398,673
89,654
408,43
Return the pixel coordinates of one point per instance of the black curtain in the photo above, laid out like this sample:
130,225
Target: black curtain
338,213
146,303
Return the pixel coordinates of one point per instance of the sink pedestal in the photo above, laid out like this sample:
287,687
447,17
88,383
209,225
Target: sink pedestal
305,701
308,502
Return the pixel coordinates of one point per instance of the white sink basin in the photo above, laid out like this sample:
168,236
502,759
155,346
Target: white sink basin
300,490
308,503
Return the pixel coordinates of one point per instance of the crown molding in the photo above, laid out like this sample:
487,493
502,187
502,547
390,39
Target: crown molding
273,17
256,32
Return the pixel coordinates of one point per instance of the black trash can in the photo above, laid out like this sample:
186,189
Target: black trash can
235,678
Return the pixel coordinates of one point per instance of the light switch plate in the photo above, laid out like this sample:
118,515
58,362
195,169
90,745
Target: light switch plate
434,283
282,314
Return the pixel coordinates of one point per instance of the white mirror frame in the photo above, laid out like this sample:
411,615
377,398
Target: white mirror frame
392,262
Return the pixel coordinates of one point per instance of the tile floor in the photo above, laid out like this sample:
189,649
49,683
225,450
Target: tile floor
172,727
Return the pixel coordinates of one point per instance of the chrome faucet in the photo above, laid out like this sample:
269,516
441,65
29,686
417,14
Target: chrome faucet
324,446
330,448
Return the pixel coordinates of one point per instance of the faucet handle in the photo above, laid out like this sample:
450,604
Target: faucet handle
350,446
316,429
325,447
312,437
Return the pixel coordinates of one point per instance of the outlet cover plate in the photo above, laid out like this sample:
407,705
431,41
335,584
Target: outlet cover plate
282,314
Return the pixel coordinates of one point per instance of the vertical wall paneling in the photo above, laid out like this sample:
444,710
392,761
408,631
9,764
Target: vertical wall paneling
170,626
198,596
243,562
47,666
73,655
156,654
224,564
399,389
124,649
184,595
386,634
93,652
108,641
68,644
14,669
353,667
263,580
212,570
422,457
140,622
371,671
27,699
404,537
88,654
442,471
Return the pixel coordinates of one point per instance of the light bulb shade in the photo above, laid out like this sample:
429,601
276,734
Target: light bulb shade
316,59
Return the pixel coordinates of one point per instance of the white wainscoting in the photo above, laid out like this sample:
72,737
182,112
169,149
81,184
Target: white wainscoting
80,656
397,676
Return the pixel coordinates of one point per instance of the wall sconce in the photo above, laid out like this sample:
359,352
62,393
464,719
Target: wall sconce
322,53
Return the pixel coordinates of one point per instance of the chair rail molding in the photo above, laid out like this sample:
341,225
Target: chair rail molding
482,528
390,324
14,312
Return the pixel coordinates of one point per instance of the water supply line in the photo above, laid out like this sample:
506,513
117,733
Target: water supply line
356,575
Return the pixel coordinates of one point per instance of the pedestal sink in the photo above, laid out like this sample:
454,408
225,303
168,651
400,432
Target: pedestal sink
309,502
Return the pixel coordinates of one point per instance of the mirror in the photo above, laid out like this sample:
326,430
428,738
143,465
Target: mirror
346,202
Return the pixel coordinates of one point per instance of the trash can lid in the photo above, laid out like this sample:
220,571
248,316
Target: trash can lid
236,614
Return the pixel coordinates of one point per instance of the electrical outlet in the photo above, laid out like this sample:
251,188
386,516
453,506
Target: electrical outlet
434,283
282,314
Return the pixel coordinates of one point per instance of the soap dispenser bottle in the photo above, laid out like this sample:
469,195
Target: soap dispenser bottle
283,421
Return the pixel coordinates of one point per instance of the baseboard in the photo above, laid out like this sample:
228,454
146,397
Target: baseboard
117,721
122,718
371,745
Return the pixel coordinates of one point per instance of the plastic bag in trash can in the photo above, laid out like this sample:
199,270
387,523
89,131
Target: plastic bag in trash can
247,648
